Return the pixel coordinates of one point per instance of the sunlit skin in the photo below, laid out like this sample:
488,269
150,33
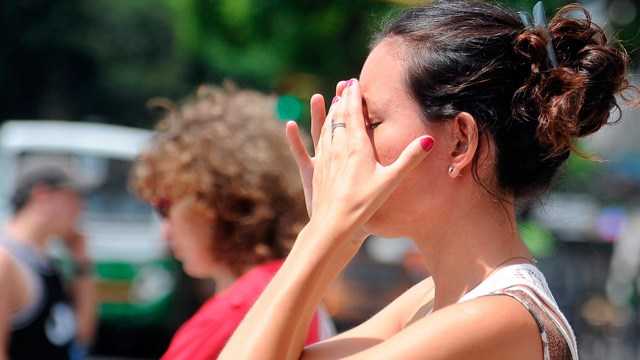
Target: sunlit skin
373,177
395,120
431,206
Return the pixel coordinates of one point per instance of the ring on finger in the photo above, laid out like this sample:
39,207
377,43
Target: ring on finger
336,125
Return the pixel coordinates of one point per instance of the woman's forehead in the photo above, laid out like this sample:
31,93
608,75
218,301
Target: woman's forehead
383,78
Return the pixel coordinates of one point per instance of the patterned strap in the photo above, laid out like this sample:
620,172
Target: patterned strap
554,342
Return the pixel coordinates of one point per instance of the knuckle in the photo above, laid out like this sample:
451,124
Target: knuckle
353,151
334,156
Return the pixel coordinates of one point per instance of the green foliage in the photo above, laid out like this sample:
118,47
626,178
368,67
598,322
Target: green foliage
101,60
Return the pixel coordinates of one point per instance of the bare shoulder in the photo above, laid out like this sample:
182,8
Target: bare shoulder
13,276
492,327
8,266
495,327
500,315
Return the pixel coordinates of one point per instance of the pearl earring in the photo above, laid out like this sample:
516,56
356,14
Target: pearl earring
451,168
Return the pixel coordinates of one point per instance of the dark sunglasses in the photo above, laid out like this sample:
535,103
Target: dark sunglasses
162,208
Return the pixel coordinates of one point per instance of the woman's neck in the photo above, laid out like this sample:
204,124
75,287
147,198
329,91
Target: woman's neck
472,242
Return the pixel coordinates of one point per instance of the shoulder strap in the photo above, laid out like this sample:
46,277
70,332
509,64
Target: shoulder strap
540,309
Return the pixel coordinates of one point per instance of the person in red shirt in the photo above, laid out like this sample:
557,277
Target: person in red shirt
219,173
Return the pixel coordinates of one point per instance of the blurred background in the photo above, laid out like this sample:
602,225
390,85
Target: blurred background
95,64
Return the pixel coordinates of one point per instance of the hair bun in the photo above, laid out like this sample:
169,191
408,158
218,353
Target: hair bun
574,99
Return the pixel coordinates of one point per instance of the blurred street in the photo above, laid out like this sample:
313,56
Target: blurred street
79,78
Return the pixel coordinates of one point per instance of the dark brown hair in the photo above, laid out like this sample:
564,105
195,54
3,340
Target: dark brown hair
225,149
476,57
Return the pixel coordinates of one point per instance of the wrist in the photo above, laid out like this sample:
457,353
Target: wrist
336,232
321,246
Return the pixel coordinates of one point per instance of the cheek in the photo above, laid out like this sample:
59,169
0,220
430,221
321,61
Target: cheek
191,238
64,211
389,141
418,199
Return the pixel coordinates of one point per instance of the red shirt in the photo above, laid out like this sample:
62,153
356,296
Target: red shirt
204,335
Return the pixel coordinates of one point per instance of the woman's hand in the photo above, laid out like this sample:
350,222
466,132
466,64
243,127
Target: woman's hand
345,185
348,184
303,159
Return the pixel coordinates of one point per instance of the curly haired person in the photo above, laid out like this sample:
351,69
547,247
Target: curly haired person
219,172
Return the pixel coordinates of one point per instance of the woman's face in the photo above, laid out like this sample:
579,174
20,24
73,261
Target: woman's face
189,232
396,120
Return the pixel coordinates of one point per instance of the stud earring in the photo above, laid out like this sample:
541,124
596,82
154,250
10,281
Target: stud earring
451,169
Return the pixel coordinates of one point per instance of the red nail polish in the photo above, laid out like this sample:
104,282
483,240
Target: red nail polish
426,143
350,82
335,99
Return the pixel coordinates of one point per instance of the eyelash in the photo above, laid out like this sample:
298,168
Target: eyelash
374,125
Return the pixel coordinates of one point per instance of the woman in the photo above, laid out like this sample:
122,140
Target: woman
458,113
221,176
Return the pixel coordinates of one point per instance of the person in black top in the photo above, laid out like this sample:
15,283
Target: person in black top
39,318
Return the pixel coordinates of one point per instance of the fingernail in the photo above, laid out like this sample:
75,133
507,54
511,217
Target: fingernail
351,82
426,143
335,99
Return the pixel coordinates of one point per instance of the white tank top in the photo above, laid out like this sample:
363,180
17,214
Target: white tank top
528,279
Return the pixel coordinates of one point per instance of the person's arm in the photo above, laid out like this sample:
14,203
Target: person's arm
5,319
408,307
83,289
488,328
277,324
348,187
7,281
84,297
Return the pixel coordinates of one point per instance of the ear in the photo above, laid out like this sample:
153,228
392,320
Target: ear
465,136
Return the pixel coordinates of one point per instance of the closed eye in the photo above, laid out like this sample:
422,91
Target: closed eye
367,115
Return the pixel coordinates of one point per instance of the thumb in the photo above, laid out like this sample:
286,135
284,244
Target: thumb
411,156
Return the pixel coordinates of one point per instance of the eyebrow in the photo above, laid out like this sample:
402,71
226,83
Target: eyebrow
366,109
372,111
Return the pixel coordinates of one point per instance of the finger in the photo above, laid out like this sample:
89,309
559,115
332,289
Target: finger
340,86
297,145
318,115
338,129
410,157
353,110
325,133
302,160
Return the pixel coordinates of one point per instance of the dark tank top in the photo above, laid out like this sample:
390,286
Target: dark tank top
46,328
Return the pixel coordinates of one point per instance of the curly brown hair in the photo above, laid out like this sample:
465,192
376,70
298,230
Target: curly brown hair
224,147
